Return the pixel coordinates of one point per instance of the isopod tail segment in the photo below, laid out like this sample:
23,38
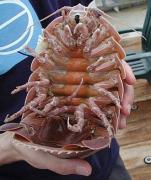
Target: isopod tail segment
98,143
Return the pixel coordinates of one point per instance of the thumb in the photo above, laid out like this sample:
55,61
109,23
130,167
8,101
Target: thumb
44,160
64,166
70,166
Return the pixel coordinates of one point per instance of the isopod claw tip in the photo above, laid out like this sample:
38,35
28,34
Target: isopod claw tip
6,120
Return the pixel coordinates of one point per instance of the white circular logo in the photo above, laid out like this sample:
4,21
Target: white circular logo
17,44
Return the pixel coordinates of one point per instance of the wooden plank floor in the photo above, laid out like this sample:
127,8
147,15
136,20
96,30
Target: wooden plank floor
135,140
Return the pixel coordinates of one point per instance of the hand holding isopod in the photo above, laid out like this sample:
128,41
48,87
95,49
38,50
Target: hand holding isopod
78,94
12,152
128,95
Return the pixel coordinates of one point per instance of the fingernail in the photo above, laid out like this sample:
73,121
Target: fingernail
82,171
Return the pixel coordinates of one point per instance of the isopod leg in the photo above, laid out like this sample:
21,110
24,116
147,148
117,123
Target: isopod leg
67,37
82,30
79,113
111,83
39,57
97,13
111,62
95,109
69,98
107,84
55,44
93,41
60,110
108,46
109,95
92,66
55,101
30,84
105,66
48,107
29,106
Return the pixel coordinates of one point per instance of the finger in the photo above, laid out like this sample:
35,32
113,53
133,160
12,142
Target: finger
69,166
127,99
43,160
122,122
130,78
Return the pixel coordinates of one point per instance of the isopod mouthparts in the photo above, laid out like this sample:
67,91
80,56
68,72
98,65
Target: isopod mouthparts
77,18
74,91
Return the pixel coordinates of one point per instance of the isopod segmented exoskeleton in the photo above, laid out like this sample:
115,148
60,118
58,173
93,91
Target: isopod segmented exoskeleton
75,90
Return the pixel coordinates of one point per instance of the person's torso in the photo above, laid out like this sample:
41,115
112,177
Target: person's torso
15,70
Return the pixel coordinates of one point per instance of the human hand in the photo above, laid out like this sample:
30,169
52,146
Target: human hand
11,152
128,97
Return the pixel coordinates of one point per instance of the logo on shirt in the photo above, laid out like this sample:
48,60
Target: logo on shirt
16,31
27,32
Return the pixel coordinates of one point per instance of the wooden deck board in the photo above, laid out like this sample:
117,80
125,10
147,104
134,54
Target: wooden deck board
135,140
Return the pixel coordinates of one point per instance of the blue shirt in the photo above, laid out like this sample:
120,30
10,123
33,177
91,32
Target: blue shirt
17,73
